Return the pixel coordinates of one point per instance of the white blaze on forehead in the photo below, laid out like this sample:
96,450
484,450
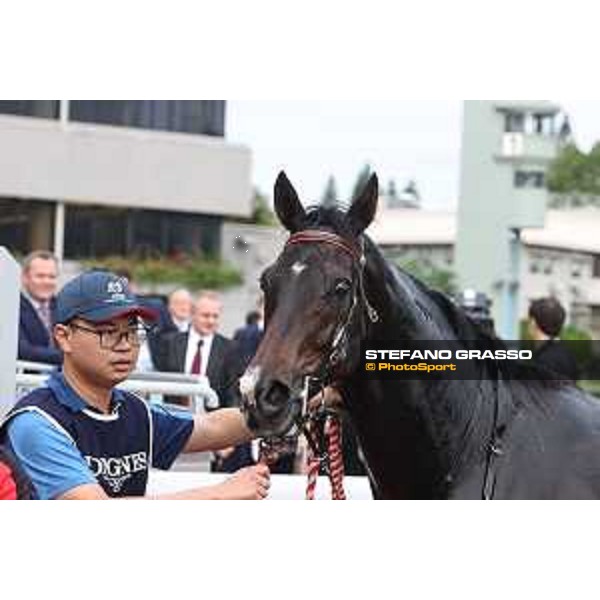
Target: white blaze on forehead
298,267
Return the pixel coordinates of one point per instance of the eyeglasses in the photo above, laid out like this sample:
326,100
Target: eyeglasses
111,338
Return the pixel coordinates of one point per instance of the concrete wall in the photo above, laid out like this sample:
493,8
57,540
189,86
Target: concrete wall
487,253
104,165
566,275
263,246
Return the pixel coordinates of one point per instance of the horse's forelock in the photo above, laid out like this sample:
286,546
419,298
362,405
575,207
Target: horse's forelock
329,218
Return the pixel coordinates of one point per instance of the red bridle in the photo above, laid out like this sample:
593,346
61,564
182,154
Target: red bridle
325,237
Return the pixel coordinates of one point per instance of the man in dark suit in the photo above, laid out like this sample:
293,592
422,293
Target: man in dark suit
546,319
248,338
203,351
39,282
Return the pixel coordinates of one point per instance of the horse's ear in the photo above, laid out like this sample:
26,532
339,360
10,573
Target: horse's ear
363,208
288,207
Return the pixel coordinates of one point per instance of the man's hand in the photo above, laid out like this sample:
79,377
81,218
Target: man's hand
251,483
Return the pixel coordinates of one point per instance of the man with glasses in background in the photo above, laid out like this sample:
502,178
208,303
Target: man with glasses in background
80,438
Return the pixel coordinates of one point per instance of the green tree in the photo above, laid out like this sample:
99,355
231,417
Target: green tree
262,213
361,181
436,278
330,195
574,177
567,171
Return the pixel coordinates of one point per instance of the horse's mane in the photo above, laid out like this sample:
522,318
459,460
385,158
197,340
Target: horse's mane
473,335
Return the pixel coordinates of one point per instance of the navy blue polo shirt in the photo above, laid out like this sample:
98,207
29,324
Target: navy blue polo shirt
62,442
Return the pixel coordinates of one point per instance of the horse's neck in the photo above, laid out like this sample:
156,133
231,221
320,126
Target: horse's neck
441,428
404,309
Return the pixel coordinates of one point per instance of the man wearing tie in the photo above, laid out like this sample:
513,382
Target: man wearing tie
204,351
39,282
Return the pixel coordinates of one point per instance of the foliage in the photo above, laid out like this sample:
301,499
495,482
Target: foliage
188,271
262,213
436,278
574,176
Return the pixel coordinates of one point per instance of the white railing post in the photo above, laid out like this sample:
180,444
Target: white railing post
10,273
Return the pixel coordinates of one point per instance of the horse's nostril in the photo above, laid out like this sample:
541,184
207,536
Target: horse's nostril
272,398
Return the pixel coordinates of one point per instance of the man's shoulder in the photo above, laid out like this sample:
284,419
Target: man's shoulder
176,338
222,340
38,397
40,401
27,308
34,418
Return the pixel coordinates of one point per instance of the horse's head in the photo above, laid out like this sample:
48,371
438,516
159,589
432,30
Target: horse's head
315,307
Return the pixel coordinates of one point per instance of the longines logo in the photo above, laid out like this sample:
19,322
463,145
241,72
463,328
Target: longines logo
117,470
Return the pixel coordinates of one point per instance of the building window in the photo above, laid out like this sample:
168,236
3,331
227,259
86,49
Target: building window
206,117
596,266
44,109
543,124
97,232
530,179
514,122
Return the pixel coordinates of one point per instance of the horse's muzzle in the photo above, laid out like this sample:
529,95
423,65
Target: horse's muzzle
270,406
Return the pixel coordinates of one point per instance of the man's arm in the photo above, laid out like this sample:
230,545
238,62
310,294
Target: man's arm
217,430
58,471
251,483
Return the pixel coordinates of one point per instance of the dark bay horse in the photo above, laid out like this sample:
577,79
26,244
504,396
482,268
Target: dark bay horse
496,437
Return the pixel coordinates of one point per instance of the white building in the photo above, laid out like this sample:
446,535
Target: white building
90,178
507,147
561,259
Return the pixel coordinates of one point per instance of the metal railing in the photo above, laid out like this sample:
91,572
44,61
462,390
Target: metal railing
31,375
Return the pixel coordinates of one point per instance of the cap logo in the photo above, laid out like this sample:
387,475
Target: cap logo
115,289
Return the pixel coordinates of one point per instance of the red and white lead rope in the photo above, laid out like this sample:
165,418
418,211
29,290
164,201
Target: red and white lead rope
336,458
333,436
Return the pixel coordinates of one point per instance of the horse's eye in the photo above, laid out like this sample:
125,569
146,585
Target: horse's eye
342,287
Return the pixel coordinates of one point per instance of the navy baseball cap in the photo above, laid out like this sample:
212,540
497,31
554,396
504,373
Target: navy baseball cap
97,296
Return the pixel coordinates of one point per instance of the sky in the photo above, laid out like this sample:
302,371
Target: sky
400,140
